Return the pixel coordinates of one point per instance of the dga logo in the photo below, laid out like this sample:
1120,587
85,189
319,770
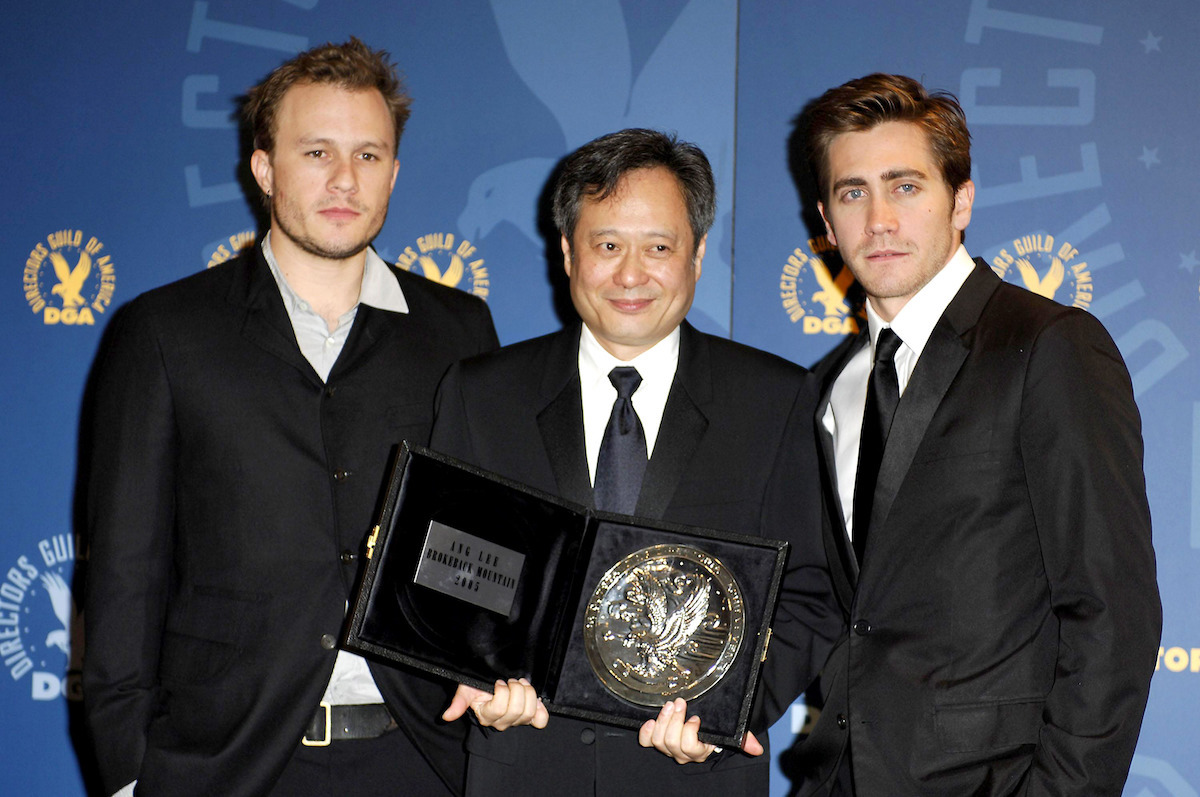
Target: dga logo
41,633
812,296
1034,263
67,278
442,260
231,248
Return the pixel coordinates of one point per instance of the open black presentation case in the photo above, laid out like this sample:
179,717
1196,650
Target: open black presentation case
475,577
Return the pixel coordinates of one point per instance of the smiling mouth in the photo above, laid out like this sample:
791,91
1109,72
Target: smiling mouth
630,305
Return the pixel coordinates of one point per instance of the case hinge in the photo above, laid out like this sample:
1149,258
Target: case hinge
371,541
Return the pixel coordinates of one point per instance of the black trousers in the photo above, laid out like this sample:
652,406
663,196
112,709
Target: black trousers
361,768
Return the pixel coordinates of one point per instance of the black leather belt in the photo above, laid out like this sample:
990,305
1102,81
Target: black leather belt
331,723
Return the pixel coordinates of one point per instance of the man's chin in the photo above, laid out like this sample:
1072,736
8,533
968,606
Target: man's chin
333,252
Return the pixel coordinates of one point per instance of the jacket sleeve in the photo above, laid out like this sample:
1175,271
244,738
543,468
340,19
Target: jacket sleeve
130,435
1081,445
486,330
451,430
808,620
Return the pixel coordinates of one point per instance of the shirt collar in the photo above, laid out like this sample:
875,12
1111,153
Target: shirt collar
916,320
655,364
379,287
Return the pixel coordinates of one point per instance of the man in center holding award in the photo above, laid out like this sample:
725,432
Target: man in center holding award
634,411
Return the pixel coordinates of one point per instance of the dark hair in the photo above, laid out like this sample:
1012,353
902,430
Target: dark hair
595,170
352,66
869,101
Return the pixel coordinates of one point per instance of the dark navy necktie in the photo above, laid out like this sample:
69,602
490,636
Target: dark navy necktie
883,394
622,460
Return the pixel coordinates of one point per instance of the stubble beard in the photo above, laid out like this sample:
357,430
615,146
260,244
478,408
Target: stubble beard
282,215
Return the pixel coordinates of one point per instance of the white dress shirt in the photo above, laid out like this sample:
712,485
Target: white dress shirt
847,401
657,367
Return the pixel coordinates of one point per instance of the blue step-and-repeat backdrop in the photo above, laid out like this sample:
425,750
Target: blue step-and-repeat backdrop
126,173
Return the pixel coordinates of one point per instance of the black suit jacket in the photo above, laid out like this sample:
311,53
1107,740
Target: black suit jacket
734,452
1004,624
229,495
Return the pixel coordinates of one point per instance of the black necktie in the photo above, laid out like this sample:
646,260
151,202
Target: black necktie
622,460
883,394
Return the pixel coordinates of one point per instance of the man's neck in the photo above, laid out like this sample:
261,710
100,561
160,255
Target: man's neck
331,287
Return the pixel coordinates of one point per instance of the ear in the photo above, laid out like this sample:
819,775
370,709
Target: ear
964,198
566,250
395,171
698,260
264,175
828,227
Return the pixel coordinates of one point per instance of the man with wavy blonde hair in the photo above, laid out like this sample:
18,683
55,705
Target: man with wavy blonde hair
244,418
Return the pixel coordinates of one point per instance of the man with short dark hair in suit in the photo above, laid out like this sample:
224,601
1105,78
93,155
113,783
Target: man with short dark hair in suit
723,435
243,421
987,526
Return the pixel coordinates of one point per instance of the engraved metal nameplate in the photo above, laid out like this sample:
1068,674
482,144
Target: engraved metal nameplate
469,568
664,622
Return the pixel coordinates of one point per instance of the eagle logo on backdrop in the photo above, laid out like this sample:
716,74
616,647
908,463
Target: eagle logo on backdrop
1039,264
440,257
41,629
231,247
817,296
69,279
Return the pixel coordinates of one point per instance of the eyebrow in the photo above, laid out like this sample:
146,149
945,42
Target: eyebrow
846,182
607,231
888,176
900,174
329,142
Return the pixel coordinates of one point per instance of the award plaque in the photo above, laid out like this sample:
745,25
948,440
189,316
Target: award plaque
476,578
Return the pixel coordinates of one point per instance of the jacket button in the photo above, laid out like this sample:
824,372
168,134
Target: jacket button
862,628
587,736
330,390
348,556
341,475
842,722
328,641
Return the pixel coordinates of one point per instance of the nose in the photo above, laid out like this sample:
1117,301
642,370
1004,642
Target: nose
881,217
630,272
342,177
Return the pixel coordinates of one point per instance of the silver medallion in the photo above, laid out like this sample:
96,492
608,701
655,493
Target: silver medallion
664,622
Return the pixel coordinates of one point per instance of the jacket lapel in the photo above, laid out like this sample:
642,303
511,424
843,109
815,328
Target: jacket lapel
940,362
266,322
560,420
683,424
371,327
